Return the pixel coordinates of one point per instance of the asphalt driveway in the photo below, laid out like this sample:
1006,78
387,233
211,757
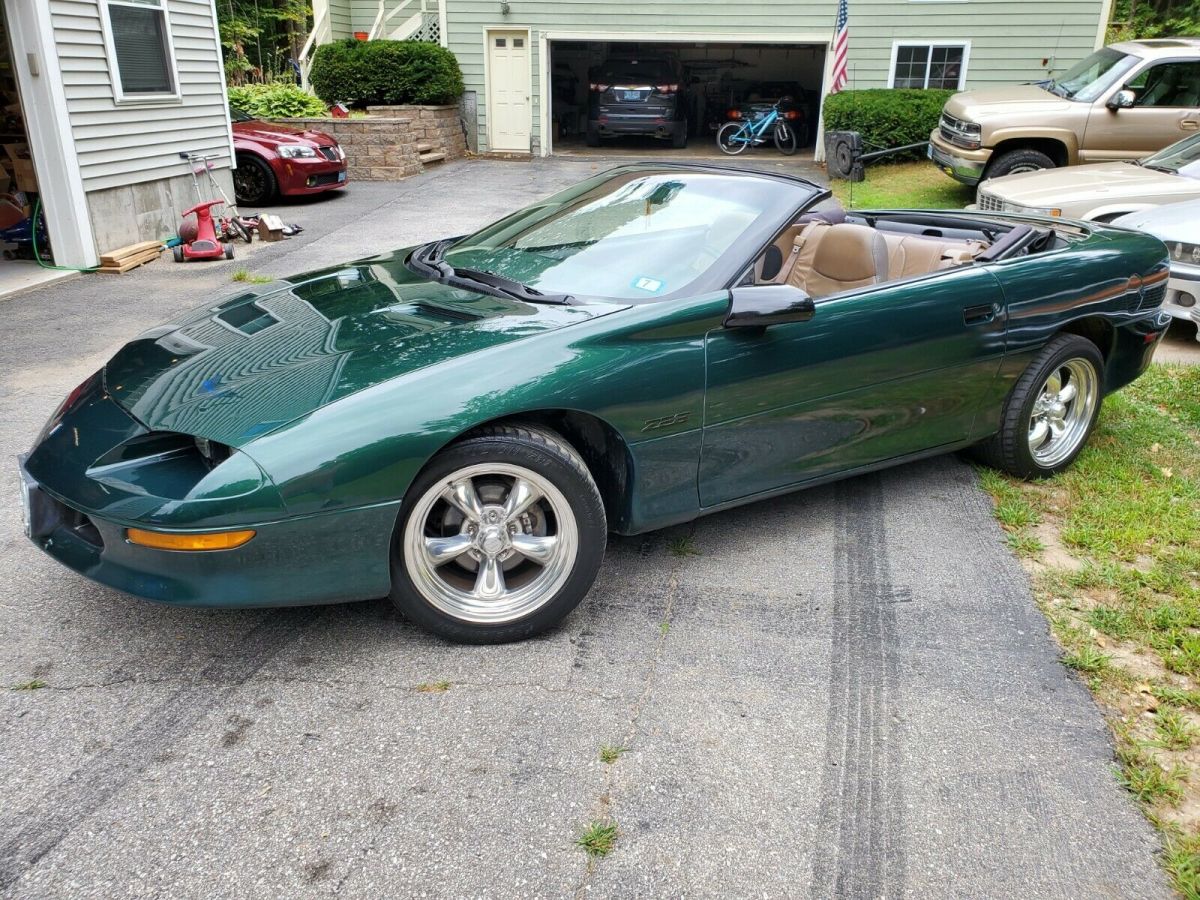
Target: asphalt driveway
843,693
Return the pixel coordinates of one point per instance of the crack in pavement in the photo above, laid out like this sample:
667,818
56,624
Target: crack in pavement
34,831
859,853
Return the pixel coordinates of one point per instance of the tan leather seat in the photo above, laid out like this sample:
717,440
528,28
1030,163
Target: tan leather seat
914,254
833,258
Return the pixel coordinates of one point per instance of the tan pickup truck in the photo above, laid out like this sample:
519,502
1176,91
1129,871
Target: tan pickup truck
1124,101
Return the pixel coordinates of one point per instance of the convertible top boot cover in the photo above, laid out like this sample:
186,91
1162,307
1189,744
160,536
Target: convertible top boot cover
829,259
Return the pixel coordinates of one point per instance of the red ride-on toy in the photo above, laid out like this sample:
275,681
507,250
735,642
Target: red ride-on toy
205,244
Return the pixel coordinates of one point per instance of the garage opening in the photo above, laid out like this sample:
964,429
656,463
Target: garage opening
23,229
634,98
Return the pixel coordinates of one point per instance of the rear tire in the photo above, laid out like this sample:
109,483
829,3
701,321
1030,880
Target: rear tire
725,140
229,251
680,138
1016,161
592,137
177,252
1042,429
466,568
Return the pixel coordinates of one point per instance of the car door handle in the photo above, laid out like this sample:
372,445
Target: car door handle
1189,124
979,315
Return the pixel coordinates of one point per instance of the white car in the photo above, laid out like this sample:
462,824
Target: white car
1102,191
1178,226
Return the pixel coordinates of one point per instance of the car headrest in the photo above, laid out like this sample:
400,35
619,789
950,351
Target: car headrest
834,216
852,253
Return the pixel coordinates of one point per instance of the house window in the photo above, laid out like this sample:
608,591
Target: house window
138,41
929,65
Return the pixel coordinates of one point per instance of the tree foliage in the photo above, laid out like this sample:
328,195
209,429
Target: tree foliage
1153,18
261,38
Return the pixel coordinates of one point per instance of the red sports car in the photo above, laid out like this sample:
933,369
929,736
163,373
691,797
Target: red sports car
276,159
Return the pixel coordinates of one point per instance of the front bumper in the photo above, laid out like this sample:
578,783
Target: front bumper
1183,296
309,176
329,558
962,165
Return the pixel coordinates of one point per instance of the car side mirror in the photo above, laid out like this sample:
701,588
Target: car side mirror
1122,99
760,305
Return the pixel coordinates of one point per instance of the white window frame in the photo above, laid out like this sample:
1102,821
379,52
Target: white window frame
114,68
932,44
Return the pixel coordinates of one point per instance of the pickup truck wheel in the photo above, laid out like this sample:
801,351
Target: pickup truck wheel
1014,161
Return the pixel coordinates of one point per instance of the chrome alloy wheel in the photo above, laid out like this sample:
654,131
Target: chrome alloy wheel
490,543
1062,412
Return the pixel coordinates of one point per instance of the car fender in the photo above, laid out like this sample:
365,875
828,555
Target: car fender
640,371
1064,136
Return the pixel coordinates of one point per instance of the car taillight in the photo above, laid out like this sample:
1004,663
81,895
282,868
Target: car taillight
666,88
733,114
597,87
791,114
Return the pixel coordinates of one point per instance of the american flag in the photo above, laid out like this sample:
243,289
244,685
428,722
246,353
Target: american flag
841,42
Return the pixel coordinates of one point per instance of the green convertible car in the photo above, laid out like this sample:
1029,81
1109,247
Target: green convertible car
461,424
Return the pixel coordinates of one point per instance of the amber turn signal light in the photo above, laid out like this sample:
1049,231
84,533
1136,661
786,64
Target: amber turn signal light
160,540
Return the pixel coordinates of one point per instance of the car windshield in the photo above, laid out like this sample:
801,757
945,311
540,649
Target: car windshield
1093,75
635,71
238,116
1181,158
639,235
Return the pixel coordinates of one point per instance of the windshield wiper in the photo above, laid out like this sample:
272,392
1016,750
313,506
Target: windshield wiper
429,261
509,287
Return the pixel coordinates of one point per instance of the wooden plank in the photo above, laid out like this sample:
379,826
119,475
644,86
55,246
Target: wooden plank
131,262
116,257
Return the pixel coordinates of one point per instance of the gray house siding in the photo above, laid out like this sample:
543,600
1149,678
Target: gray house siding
1008,40
128,152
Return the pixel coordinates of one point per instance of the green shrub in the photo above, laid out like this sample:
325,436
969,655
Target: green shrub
276,101
886,117
386,72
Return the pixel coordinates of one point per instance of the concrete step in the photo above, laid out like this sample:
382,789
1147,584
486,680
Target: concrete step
431,156
424,147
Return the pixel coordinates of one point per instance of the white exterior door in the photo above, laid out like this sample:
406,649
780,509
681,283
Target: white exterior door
508,90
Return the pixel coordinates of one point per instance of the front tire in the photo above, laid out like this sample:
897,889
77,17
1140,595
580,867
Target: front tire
253,181
1050,412
785,139
1016,161
500,537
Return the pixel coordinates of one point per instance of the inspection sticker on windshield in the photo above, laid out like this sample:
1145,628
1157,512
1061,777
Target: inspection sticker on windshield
647,284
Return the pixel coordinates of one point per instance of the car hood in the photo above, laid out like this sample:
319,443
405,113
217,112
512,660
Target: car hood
240,368
1173,222
1018,99
1099,182
273,135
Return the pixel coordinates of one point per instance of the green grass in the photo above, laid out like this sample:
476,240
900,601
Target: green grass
33,684
245,275
683,546
904,185
598,838
610,755
1086,659
1025,544
433,687
1129,511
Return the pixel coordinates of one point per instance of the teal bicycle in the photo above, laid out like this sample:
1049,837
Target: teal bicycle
734,137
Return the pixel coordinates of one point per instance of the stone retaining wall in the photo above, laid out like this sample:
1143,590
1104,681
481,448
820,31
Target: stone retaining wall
377,149
438,126
386,144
